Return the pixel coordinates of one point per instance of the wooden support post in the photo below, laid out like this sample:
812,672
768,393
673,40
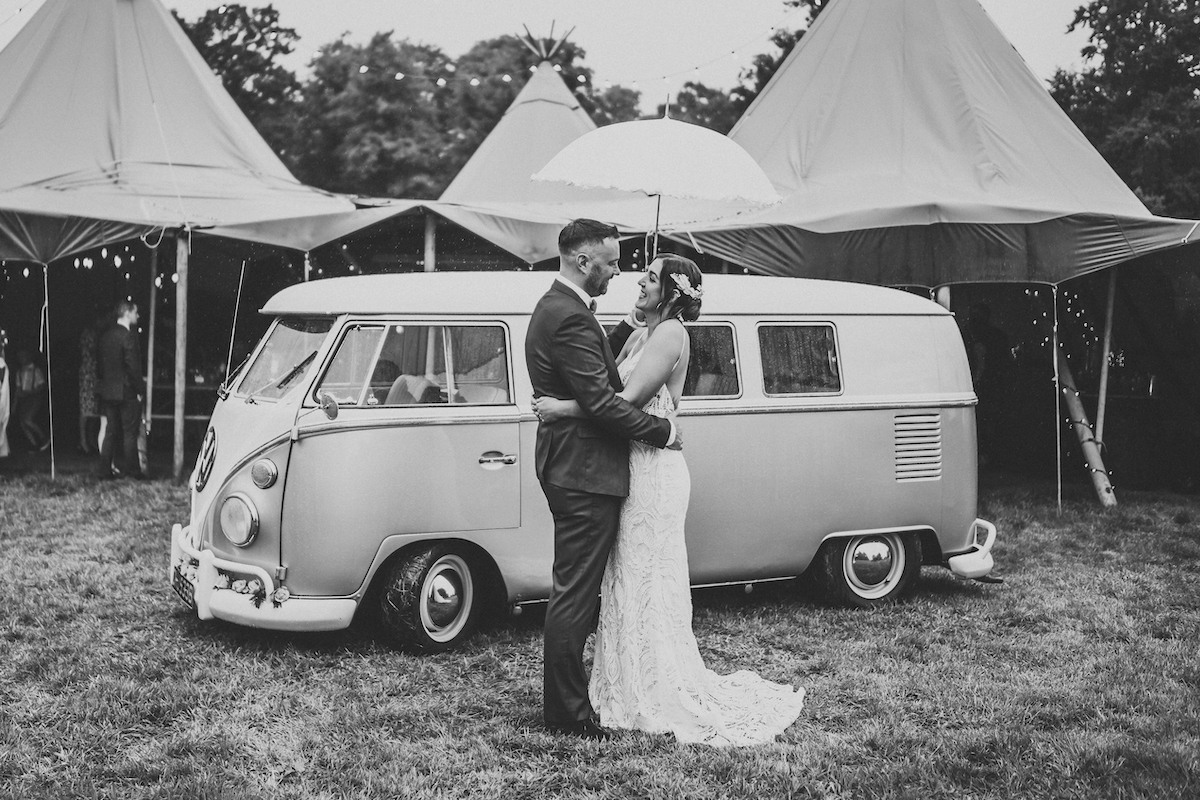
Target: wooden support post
1077,418
49,371
152,318
430,242
1102,401
181,308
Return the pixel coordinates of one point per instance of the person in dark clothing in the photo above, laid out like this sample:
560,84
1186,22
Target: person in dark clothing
990,359
120,387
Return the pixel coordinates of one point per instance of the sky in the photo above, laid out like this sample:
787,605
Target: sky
627,41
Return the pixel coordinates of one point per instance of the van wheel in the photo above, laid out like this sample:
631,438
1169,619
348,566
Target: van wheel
869,570
428,603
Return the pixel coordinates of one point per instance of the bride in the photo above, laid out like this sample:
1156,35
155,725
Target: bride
647,673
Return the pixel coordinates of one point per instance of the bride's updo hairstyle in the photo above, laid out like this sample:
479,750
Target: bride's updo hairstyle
680,280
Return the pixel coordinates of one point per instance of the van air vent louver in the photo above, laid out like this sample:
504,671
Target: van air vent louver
918,442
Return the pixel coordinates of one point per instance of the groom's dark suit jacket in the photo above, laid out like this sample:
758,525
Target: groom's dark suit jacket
569,358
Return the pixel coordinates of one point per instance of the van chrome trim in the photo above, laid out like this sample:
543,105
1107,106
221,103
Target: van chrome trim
930,403
411,422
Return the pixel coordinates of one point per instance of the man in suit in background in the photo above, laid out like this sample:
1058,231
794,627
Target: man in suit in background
121,386
582,464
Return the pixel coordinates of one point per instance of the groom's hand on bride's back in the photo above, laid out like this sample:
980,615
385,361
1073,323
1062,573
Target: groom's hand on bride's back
677,444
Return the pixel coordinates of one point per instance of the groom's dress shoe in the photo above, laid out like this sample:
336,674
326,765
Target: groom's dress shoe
584,729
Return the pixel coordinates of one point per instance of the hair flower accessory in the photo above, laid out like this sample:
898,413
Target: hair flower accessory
685,286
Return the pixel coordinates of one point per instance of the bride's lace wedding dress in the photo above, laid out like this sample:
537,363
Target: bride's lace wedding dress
647,672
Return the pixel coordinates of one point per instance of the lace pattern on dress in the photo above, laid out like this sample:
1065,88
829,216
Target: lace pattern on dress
647,672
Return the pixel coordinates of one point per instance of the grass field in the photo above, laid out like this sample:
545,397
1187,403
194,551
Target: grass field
1079,677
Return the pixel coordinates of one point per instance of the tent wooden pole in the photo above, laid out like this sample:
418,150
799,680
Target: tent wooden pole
151,321
49,371
430,242
1057,399
307,267
1102,401
1083,431
181,307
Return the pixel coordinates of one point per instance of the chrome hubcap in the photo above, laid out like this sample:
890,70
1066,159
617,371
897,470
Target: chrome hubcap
446,598
873,564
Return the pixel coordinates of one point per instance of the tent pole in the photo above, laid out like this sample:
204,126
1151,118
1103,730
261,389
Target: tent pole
181,301
1102,401
430,242
153,316
49,371
1057,400
307,266
1083,431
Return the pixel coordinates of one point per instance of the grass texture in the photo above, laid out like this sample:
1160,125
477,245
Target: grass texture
1079,677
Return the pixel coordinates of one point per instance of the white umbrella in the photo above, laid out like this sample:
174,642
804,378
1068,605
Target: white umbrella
662,157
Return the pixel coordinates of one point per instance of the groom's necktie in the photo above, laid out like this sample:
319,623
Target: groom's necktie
592,306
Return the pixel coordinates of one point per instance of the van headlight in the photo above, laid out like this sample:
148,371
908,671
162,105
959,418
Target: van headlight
239,519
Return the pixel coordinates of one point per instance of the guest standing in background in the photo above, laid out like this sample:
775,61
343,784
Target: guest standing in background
31,400
120,380
89,407
4,396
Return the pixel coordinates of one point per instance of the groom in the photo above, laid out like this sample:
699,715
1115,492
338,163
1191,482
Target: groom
583,464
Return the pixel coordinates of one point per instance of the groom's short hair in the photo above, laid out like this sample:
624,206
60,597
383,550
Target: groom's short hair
580,232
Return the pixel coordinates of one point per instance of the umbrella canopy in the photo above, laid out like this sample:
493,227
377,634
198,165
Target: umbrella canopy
663,157
112,124
914,146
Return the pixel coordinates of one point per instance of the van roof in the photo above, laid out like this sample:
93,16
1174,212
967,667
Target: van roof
510,292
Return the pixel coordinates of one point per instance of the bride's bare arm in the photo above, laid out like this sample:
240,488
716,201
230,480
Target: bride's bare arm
659,358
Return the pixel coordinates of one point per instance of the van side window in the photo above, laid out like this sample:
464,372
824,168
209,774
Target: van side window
712,369
799,359
408,365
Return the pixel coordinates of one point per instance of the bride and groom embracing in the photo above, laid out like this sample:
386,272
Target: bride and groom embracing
610,463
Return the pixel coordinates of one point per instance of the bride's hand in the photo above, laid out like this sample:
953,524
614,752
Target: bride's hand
550,409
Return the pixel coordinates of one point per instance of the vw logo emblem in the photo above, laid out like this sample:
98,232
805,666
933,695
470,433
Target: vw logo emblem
208,454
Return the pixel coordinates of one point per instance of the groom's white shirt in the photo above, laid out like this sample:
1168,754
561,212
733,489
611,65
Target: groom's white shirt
587,301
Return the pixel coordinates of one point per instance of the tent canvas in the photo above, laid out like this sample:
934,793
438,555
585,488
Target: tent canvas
913,145
109,117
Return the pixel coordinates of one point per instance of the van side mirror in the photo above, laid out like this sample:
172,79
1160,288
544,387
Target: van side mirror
328,405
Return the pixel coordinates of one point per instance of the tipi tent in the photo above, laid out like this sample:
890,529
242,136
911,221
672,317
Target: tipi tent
913,145
111,123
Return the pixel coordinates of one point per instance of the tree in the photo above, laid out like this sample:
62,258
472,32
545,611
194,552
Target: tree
372,117
719,110
704,105
1138,98
242,46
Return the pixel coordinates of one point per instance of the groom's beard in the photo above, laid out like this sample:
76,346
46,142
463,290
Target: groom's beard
596,285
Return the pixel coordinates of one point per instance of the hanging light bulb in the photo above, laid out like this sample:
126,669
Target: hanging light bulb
77,263
117,260
174,277
474,81
399,76
581,79
104,252
363,69
558,67
506,78
441,81
25,272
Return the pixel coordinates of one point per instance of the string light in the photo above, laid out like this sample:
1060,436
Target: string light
692,72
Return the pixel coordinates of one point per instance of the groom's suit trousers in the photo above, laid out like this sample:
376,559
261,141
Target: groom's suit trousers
585,528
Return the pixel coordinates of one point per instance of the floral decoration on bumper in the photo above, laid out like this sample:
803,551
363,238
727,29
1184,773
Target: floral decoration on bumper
252,587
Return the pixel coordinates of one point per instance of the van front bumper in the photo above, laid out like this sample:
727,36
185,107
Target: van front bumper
197,576
977,562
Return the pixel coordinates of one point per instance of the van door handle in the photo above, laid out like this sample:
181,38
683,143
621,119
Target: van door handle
496,457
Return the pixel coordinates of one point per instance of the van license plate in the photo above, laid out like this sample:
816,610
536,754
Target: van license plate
184,588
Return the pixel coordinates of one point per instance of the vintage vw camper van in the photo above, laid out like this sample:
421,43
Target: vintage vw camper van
376,452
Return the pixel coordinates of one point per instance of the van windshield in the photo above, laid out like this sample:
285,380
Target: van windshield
290,348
